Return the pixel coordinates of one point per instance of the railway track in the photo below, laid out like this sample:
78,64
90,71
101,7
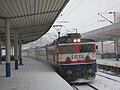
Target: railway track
108,78
102,81
110,73
76,86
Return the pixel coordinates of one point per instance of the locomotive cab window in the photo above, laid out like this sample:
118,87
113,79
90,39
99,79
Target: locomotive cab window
86,48
68,49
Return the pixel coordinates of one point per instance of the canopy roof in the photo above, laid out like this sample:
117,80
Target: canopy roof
108,33
31,18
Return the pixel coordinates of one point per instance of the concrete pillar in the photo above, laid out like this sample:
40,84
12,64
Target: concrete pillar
7,42
101,49
116,46
12,51
16,49
20,51
0,52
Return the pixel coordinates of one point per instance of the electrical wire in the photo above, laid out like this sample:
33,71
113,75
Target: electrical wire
95,16
73,9
113,7
69,6
67,9
86,21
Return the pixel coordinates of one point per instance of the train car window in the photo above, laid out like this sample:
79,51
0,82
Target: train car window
86,48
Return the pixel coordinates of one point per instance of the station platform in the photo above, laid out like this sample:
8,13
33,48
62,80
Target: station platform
109,62
33,75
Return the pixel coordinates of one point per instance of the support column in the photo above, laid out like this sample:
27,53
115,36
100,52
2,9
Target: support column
101,49
20,51
116,45
0,52
7,41
16,49
12,51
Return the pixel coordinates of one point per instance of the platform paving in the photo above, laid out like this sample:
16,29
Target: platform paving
33,75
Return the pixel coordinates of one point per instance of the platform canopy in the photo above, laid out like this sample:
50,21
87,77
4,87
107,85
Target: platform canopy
108,33
31,18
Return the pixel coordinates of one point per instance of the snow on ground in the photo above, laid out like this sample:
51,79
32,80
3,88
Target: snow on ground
84,87
39,76
109,62
103,83
33,75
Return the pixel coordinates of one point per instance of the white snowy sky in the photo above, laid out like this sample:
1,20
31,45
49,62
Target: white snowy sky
83,16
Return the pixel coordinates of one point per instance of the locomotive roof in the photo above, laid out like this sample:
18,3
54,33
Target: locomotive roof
69,39
74,36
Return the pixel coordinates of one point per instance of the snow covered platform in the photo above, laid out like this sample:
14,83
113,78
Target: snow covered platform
33,75
109,62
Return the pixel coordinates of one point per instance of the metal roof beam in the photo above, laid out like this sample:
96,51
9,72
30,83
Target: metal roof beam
2,27
3,17
32,26
28,41
34,14
30,38
32,34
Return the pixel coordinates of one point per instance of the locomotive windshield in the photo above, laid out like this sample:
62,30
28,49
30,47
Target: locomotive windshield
68,49
71,49
86,48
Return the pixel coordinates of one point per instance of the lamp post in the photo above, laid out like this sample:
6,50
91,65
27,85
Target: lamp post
100,14
114,21
116,38
58,29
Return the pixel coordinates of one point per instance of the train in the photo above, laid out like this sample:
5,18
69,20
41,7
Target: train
73,57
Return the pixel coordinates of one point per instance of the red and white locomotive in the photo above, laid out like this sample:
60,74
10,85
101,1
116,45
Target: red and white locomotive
73,57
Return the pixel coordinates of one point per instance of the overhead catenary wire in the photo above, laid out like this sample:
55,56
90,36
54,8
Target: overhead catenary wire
72,10
86,26
69,7
113,7
88,19
95,17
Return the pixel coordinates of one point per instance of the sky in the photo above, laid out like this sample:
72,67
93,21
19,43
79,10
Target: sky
83,16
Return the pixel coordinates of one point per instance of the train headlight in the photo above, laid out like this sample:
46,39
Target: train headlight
78,40
75,40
